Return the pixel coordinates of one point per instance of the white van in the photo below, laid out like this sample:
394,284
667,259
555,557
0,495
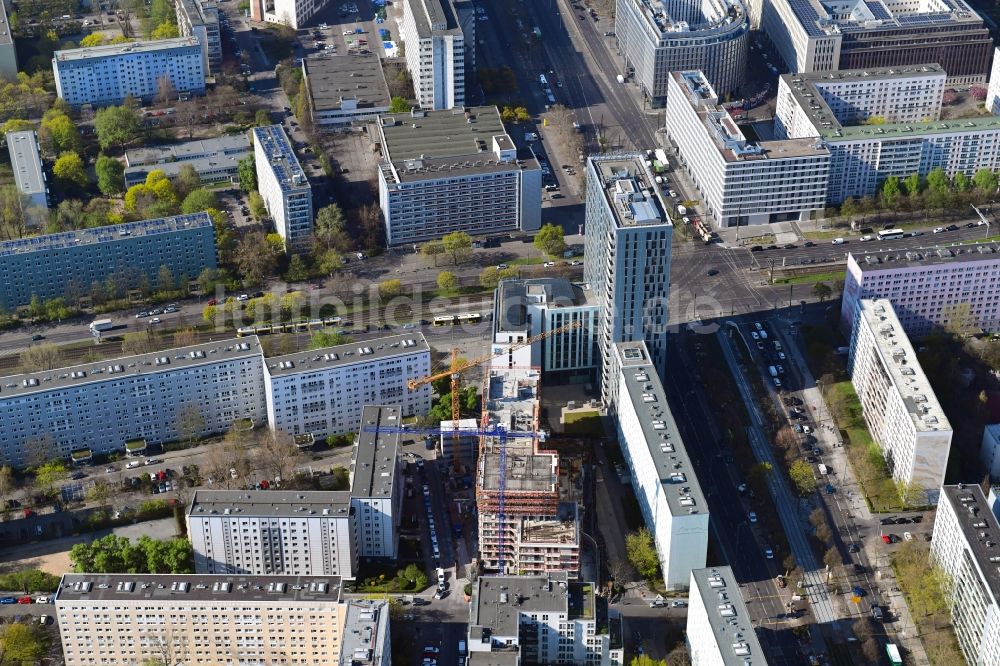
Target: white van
839,241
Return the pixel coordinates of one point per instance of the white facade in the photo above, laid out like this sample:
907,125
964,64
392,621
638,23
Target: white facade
966,545
106,75
200,19
742,182
720,630
376,482
629,236
26,162
664,480
292,13
993,91
990,450
928,288
897,401
323,392
435,53
284,186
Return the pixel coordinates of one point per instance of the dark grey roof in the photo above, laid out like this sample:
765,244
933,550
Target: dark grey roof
74,588
375,454
883,260
356,352
358,77
498,601
270,503
512,297
979,528
728,617
443,133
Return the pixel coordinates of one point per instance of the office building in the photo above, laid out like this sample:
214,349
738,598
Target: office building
284,186
8,53
346,89
536,619
658,37
993,91
627,257
527,308
435,52
929,288
292,13
26,163
200,19
966,547
813,36
742,181
898,403
106,75
67,264
215,160
720,629
322,392
990,450
97,407
130,619
673,506
455,170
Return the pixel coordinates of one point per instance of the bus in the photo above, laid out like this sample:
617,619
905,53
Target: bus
891,234
445,320
893,653
288,327
470,318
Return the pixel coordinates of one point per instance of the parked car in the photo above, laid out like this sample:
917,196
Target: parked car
8,600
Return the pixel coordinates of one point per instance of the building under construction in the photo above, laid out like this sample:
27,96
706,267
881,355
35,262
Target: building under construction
524,528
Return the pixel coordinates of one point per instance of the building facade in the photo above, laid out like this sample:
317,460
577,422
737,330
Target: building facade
106,75
993,91
929,288
200,19
990,450
455,170
659,37
673,506
435,52
720,629
284,186
215,160
67,264
29,173
324,392
898,403
966,545
742,182
292,13
629,236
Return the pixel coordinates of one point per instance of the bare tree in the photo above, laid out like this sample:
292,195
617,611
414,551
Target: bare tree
190,423
38,449
40,357
165,90
277,455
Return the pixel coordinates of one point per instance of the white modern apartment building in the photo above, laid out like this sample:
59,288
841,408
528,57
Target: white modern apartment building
99,406
26,162
435,52
670,497
454,170
200,19
742,181
106,75
322,392
929,288
546,619
720,629
130,619
990,450
629,236
897,401
215,160
966,546
8,54
527,308
284,186
658,37
993,91
377,483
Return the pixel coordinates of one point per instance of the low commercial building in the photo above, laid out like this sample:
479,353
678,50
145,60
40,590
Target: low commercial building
292,13
720,629
8,54
200,19
742,181
192,619
673,506
929,288
284,186
323,392
346,89
455,170
26,162
435,51
67,264
990,450
897,401
106,75
966,546
215,160
548,619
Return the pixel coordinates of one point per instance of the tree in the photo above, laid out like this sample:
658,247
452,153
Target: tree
16,125
21,643
985,181
70,171
262,118
549,240
446,281
389,289
186,181
679,656
7,484
327,337
432,249
139,197
330,262
255,257
93,39
458,244
398,105
329,224
258,209
165,31
832,558
891,191
642,553
58,134
247,170
822,291
199,200
117,126
341,478
141,342
165,279
297,271
646,660
801,474
48,474
912,184
110,175
849,208
938,181
40,357
277,455
961,182
190,423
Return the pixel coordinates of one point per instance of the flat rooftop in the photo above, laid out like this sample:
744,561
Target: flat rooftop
630,191
111,233
891,260
138,588
979,527
26,162
527,471
449,133
728,617
900,360
507,658
514,296
874,15
5,32
416,170
282,160
434,17
362,638
499,601
313,360
231,144
130,48
511,399
666,448
711,17
375,454
170,360
357,79
203,165
270,503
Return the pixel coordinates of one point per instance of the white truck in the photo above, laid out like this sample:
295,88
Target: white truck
621,79
101,325
682,209
823,469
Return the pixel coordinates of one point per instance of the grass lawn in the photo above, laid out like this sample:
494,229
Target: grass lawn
527,261
584,423
834,277
828,235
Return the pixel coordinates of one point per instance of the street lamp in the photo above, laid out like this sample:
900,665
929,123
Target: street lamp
983,220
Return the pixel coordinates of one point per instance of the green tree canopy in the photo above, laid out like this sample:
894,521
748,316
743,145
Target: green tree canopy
110,175
327,337
912,184
330,262
21,643
117,126
247,170
165,31
642,553
801,474
891,191
70,171
458,244
549,240
186,181
399,105
447,281
822,291
938,181
58,133
985,181
93,39
199,200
